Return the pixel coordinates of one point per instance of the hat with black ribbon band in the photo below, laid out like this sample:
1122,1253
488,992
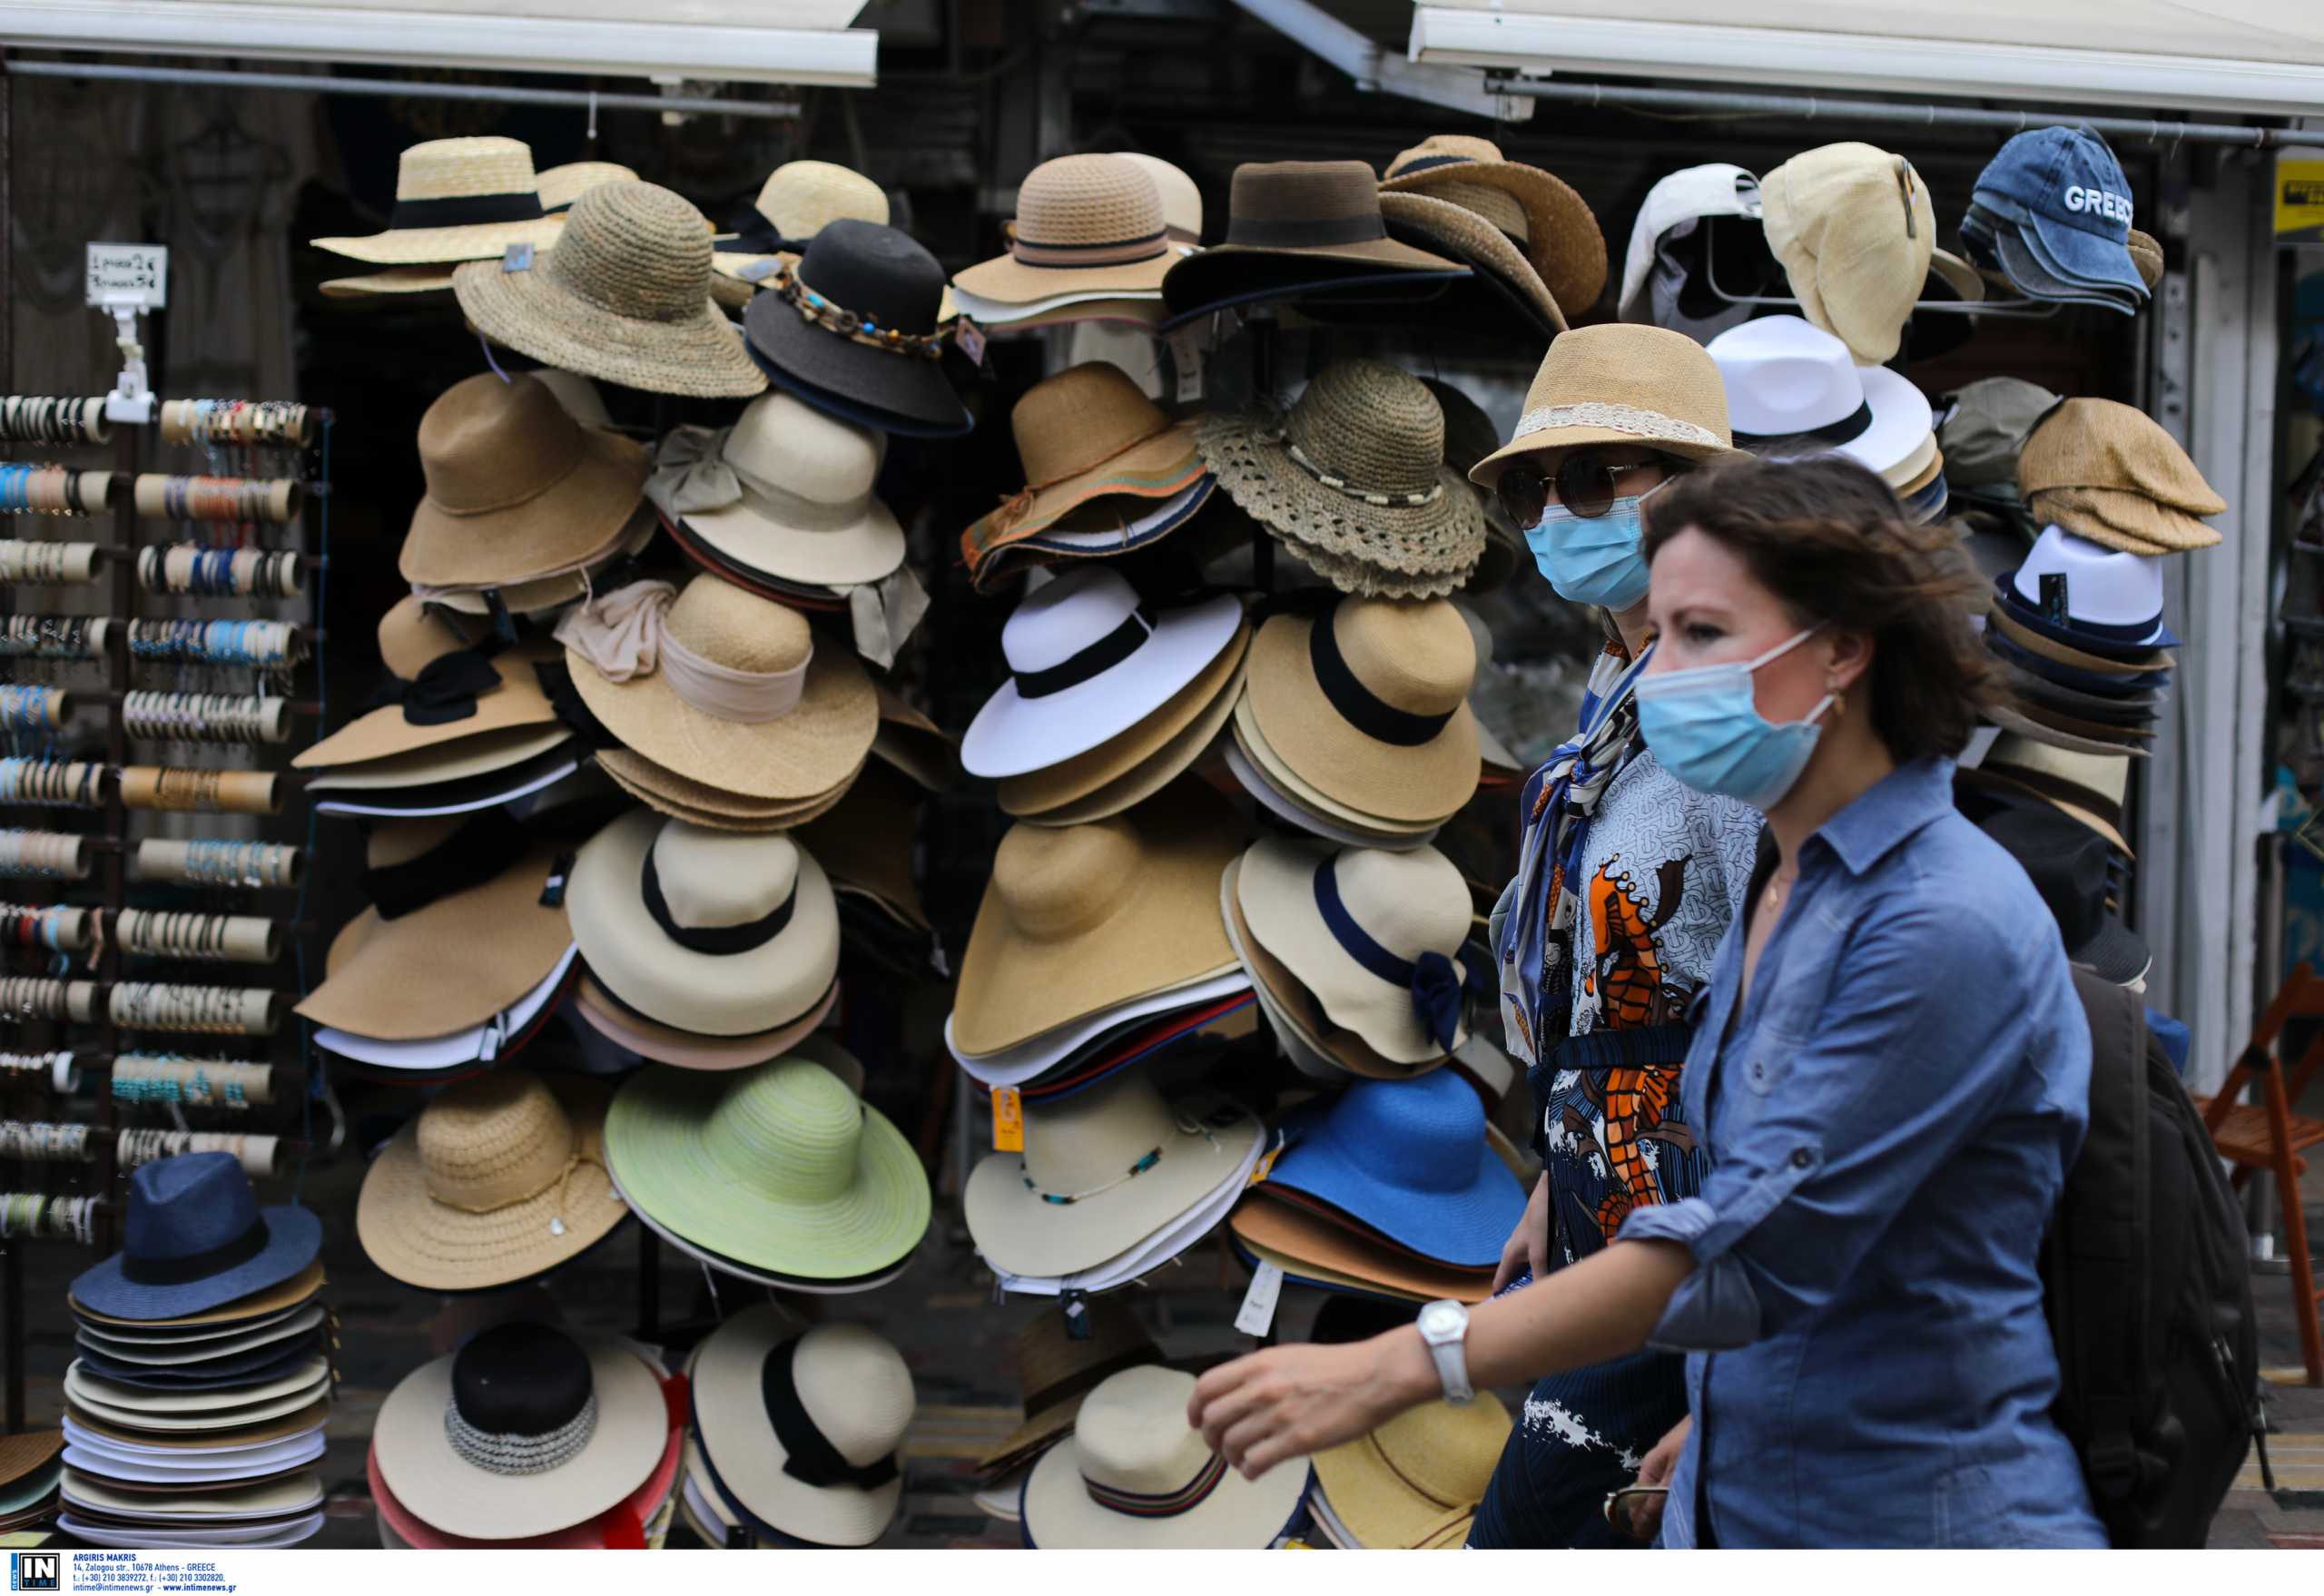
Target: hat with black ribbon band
763,239
1272,232
485,845
445,690
809,1456
745,1518
1843,430
1437,984
465,211
1357,704
1087,664
187,1268
715,940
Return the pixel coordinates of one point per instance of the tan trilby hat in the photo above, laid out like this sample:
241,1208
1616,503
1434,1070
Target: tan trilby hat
1419,1475
795,202
623,298
457,200
413,638
2109,472
561,185
1471,237
1621,382
1853,228
1084,224
1302,1242
1549,220
786,491
1058,1366
501,1178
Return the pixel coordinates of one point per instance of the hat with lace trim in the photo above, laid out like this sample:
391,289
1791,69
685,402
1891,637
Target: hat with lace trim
1620,383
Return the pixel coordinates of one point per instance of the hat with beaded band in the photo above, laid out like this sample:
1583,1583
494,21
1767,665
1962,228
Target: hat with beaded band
852,328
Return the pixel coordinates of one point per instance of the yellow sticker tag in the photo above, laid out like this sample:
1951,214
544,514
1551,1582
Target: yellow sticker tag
1008,1119
1259,1170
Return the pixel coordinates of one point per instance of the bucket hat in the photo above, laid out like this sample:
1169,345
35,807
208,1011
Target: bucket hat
1058,1364
1355,469
499,1178
1854,229
2109,473
1415,1482
457,200
721,687
1791,387
1084,224
1619,383
1504,283
620,1528
719,933
623,298
1368,703
516,488
1078,919
1376,936
1135,1476
523,1431
786,491
1292,225
781,1168
195,1239
1985,427
441,693
797,200
2070,205
855,323
1548,220
1088,661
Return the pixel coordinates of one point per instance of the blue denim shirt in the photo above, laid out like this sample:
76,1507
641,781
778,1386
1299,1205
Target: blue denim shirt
1890,1117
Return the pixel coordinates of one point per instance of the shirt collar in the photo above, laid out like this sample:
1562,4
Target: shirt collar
1892,809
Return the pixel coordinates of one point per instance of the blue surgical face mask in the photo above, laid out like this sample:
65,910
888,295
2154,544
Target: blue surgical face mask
1593,560
1705,728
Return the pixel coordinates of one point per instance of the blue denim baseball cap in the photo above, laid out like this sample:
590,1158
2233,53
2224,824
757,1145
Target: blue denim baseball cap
2067,194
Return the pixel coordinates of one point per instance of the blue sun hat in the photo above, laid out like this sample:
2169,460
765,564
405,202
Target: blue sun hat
197,1239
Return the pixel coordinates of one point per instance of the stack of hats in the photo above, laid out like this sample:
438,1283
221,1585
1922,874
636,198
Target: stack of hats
1981,429
1107,473
526,1438
1414,1484
1354,953
797,200
2078,630
459,957
1393,1189
455,200
1109,700
794,1439
2051,214
1792,391
1533,247
194,1406
31,1471
1351,480
1059,1361
1353,722
2088,789
2109,472
1089,229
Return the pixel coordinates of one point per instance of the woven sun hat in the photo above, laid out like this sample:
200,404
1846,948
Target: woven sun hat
1102,1170
1375,935
1060,1363
2109,473
853,329
195,1239
1134,1476
780,1168
1084,224
1415,1482
725,933
516,488
786,491
623,298
798,201
1548,220
457,200
499,1178
1292,225
442,694
1504,283
1792,389
721,687
523,1431
1855,230
632,1032
1356,469
561,185
620,1528
1088,661
456,913
1620,383
1181,197
1077,918
537,597
674,795
1368,703
390,280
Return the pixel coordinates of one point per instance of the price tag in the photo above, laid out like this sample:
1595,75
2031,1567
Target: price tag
1008,1119
760,270
1187,359
516,258
1259,1170
971,338
129,277
1256,1315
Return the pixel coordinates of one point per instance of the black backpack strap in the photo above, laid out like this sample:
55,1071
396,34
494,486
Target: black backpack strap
2100,1244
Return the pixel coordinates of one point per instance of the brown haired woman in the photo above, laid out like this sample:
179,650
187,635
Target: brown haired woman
1890,1071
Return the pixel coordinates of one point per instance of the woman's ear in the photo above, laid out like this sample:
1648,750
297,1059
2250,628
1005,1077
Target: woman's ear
1850,659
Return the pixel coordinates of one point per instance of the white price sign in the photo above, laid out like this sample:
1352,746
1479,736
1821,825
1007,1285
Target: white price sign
129,276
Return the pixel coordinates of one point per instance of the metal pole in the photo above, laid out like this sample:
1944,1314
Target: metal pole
398,88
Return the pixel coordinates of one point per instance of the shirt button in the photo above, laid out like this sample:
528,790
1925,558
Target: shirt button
1801,1157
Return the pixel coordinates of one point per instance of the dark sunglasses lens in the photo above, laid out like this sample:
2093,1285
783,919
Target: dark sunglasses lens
1523,496
1585,483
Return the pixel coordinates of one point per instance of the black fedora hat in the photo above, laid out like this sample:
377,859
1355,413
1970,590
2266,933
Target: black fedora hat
851,329
2067,863
196,1239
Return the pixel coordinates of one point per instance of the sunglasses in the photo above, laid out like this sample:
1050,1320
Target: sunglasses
1584,481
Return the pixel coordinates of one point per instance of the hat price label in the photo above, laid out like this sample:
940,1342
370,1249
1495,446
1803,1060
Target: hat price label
1008,1119
1256,1316
128,277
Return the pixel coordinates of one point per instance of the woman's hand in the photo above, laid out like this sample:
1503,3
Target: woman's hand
1528,1246
1645,1513
1290,1402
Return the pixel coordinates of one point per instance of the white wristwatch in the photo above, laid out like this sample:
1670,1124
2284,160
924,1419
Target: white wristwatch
1444,1328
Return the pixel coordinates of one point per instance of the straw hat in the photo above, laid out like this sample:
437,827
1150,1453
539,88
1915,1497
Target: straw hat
1621,382
516,488
561,185
473,934
1308,1036
797,200
786,491
620,1528
1295,224
1356,469
623,298
390,280
1507,275
1066,1205
710,707
802,1431
688,1049
1181,197
1555,228
525,1431
536,597
1059,1363
1084,224
682,798
1135,1476
1308,1244
187,1411
780,1168
499,1178
448,694
1077,919
1855,230
1418,1476
457,200
1373,714
2109,472
717,932
888,372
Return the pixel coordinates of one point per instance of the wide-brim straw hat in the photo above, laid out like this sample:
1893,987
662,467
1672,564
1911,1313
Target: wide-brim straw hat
1060,1363
1266,776
442,1487
411,638
623,298
1484,247
710,885
534,598
392,280
439,181
1293,1011
1560,235
561,185
1084,224
195,1503
1085,435
497,1180
1418,1474
883,276
798,201
1308,1244
683,798
1620,383
140,1408
688,1049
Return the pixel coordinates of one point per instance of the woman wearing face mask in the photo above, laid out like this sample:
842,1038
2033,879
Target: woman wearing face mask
1627,880
1890,1075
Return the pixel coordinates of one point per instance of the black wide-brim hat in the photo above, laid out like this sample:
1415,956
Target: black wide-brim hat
882,275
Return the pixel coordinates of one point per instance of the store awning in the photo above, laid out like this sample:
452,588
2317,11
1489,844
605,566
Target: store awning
2251,56
725,41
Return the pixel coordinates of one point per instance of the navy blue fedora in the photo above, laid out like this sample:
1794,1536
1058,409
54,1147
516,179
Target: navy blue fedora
196,1239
